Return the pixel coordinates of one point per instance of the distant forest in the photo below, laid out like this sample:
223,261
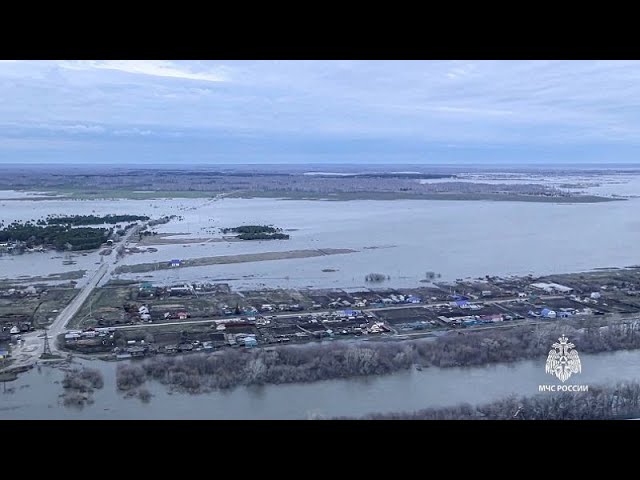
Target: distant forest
89,219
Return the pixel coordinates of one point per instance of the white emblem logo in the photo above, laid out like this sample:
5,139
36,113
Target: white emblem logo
562,360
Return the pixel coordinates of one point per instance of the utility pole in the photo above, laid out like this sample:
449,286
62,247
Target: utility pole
47,348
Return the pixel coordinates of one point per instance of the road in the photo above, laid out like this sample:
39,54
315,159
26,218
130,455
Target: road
32,345
60,323
317,312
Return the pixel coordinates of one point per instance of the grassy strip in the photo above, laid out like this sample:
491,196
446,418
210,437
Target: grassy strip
224,259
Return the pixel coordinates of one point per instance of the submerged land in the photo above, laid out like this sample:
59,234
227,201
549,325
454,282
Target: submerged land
141,287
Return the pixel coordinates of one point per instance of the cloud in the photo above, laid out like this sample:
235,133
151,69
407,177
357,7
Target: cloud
516,104
156,68
133,132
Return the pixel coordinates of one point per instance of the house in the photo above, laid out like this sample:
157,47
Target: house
136,351
185,290
548,313
4,354
552,287
30,290
413,299
175,263
487,293
546,287
250,342
459,297
14,330
595,295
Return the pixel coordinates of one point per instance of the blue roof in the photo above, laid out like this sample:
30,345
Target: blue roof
4,353
460,303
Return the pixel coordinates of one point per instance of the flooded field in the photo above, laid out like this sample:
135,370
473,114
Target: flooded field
400,238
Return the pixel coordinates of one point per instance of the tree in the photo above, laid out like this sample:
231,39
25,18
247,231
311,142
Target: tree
119,339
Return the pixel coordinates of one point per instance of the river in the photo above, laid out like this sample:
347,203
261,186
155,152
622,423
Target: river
35,393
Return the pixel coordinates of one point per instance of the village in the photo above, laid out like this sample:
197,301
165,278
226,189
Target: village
125,319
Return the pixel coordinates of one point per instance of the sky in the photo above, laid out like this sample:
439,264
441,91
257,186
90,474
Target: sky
226,112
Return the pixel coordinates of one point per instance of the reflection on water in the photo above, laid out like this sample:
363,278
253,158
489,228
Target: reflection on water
35,394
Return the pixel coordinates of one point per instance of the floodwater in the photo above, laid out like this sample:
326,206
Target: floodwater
401,238
35,395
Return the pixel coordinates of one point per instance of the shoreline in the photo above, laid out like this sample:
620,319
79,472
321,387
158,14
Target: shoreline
226,259
66,195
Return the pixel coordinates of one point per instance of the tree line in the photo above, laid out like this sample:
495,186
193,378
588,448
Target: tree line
619,401
257,232
92,219
309,363
61,237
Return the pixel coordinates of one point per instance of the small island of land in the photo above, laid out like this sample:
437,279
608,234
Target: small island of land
257,232
63,232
